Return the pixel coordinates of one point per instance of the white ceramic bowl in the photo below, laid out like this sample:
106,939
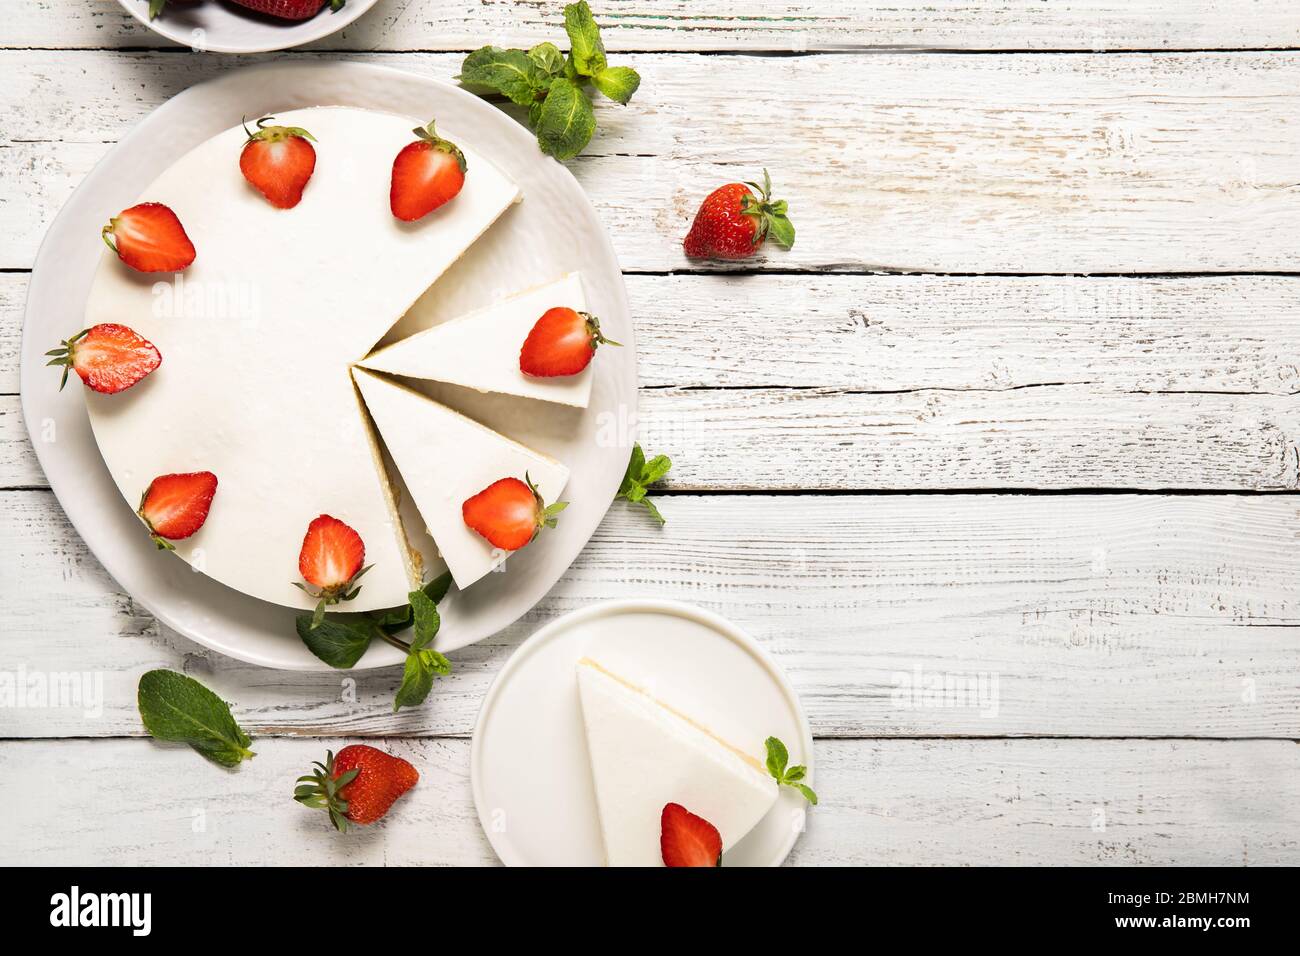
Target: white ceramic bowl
218,26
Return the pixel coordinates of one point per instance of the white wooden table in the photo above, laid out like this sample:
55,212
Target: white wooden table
1019,412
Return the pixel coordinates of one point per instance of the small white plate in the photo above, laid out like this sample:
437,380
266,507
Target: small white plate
528,763
218,26
554,231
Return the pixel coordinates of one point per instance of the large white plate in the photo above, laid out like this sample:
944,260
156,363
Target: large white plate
552,232
218,26
528,762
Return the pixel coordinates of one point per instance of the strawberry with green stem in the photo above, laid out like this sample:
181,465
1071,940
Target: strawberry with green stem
427,173
278,161
109,358
358,785
562,342
735,219
510,513
331,560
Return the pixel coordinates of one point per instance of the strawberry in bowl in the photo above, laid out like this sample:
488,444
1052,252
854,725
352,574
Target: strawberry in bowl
245,26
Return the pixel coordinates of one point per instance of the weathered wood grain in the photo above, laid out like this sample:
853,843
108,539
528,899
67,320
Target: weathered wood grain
934,802
1051,437
738,25
1053,163
1095,616
900,333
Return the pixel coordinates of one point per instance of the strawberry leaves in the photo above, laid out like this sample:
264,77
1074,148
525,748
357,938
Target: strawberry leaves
553,87
640,475
773,218
777,758
341,639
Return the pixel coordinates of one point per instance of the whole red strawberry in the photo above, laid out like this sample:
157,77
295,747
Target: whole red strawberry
426,174
176,506
330,561
688,840
357,786
733,222
109,358
290,9
561,343
278,161
149,238
510,513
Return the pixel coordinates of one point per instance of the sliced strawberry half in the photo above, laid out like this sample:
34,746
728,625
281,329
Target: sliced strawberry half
561,343
426,174
331,560
278,161
109,357
688,840
175,506
149,238
510,513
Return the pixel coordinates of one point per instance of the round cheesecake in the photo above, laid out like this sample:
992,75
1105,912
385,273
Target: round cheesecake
258,338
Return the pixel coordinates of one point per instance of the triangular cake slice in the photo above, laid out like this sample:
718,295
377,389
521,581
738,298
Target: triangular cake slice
481,350
644,755
445,458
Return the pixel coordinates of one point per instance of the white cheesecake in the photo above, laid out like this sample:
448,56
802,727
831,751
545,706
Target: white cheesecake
445,458
645,755
481,350
257,338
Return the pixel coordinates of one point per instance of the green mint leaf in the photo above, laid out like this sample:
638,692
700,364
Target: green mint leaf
566,120
340,639
635,464
617,82
547,58
393,620
795,774
534,115
585,46
178,708
655,469
337,5
777,758
807,793
155,8
417,681
427,620
437,589
511,72
780,229
654,512
435,662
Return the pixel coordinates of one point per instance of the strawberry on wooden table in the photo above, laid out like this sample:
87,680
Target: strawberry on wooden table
562,342
356,786
278,161
175,506
149,238
330,561
510,513
109,357
688,840
733,222
426,174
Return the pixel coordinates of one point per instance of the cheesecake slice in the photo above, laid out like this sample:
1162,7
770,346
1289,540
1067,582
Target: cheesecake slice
481,350
446,458
645,755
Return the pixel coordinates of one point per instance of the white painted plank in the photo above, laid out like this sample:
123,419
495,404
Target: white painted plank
738,25
883,332
897,333
1056,163
1053,437
935,802
1097,616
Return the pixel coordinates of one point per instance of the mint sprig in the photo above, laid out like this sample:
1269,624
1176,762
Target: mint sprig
179,709
553,87
777,758
640,475
340,639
